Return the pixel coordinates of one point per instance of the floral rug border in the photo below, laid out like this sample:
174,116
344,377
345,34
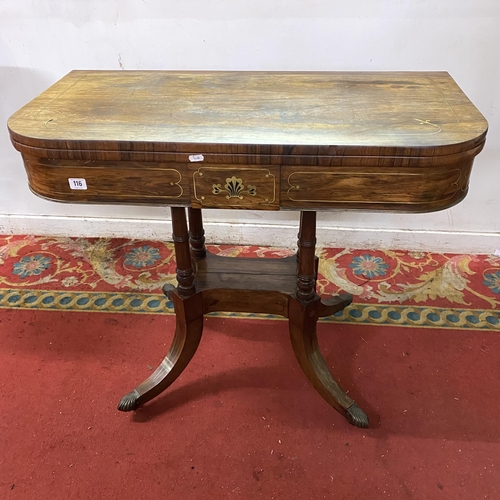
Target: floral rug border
357,313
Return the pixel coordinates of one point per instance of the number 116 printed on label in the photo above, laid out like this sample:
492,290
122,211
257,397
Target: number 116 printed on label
77,183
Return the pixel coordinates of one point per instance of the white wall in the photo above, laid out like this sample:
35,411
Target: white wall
42,40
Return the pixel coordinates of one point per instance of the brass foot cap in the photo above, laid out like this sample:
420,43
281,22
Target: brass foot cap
357,417
129,402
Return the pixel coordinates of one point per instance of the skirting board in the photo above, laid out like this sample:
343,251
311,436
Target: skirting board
257,234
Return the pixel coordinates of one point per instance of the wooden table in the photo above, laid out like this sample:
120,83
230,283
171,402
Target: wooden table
399,142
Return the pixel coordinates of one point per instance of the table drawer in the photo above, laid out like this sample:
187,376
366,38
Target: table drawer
243,186
402,189
109,182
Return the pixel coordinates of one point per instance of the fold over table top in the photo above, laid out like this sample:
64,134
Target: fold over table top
284,113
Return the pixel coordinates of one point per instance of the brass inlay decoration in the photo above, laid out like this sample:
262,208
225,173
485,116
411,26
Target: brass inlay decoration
428,122
88,171
294,187
234,187
176,183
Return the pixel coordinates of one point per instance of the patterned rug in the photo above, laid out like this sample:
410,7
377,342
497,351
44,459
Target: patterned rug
411,289
243,421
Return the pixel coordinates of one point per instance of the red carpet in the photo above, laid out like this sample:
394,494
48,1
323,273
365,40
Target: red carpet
242,421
